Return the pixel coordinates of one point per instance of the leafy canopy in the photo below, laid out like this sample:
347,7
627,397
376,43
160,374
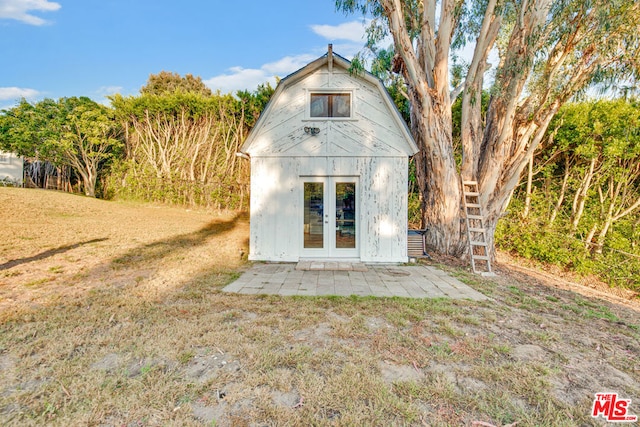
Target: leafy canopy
167,82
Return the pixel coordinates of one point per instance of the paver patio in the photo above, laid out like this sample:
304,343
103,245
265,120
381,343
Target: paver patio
344,279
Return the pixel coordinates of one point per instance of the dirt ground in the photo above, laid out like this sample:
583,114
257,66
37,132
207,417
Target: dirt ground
60,245
111,314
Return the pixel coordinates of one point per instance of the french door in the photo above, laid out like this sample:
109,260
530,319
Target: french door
330,225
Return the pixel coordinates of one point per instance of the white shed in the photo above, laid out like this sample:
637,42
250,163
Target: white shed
329,169
11,168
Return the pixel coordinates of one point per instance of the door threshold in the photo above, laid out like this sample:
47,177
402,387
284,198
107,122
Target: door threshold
331,265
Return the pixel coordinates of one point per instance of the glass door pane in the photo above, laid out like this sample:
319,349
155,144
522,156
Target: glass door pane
313,215
345,215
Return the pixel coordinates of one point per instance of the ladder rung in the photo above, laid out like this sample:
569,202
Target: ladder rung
469,191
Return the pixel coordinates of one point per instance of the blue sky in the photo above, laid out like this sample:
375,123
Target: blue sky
95,48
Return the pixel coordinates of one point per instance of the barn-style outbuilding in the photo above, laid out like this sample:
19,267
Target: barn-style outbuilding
329,169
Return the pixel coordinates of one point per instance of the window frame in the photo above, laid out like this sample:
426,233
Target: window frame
311,92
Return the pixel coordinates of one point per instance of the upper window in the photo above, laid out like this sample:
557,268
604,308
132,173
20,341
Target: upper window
4,157
330,105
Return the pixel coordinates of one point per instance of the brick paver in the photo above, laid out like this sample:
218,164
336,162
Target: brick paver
319,278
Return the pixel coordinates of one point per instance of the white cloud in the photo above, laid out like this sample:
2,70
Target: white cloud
351,37
108,90
15,93
353,31
104,91
20,10
239,78
287,65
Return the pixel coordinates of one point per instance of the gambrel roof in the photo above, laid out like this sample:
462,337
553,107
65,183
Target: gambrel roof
375,128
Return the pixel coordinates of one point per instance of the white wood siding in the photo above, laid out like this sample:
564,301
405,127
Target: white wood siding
372,145
371,131
276,212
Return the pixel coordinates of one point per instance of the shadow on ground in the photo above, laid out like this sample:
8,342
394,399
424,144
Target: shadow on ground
46,254
164,248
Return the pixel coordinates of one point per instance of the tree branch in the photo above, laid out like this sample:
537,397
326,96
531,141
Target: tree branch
416,75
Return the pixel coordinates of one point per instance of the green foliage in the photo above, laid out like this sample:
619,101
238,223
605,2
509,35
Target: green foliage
532,240
255,102
414,210
25,129
73,132
171,104
591,153
182,147
166,82
382,65
133,181
174,143
535,241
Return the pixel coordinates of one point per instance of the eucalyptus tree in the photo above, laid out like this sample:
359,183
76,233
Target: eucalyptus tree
547,52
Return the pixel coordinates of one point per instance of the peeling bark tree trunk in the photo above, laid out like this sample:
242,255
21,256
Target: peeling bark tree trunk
426,74
440,203
554,52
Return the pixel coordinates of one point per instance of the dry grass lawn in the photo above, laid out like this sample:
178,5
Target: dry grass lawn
111,314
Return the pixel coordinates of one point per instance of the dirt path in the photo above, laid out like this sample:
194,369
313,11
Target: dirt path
554,278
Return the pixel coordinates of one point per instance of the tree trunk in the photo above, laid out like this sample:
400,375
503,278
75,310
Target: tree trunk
506,151
89,177
527,200
471,120
581,196
439,183
563,190
547,53
440,203
589,238
603,234
88,182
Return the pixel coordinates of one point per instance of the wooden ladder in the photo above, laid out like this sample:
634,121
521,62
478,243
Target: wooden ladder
476,232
